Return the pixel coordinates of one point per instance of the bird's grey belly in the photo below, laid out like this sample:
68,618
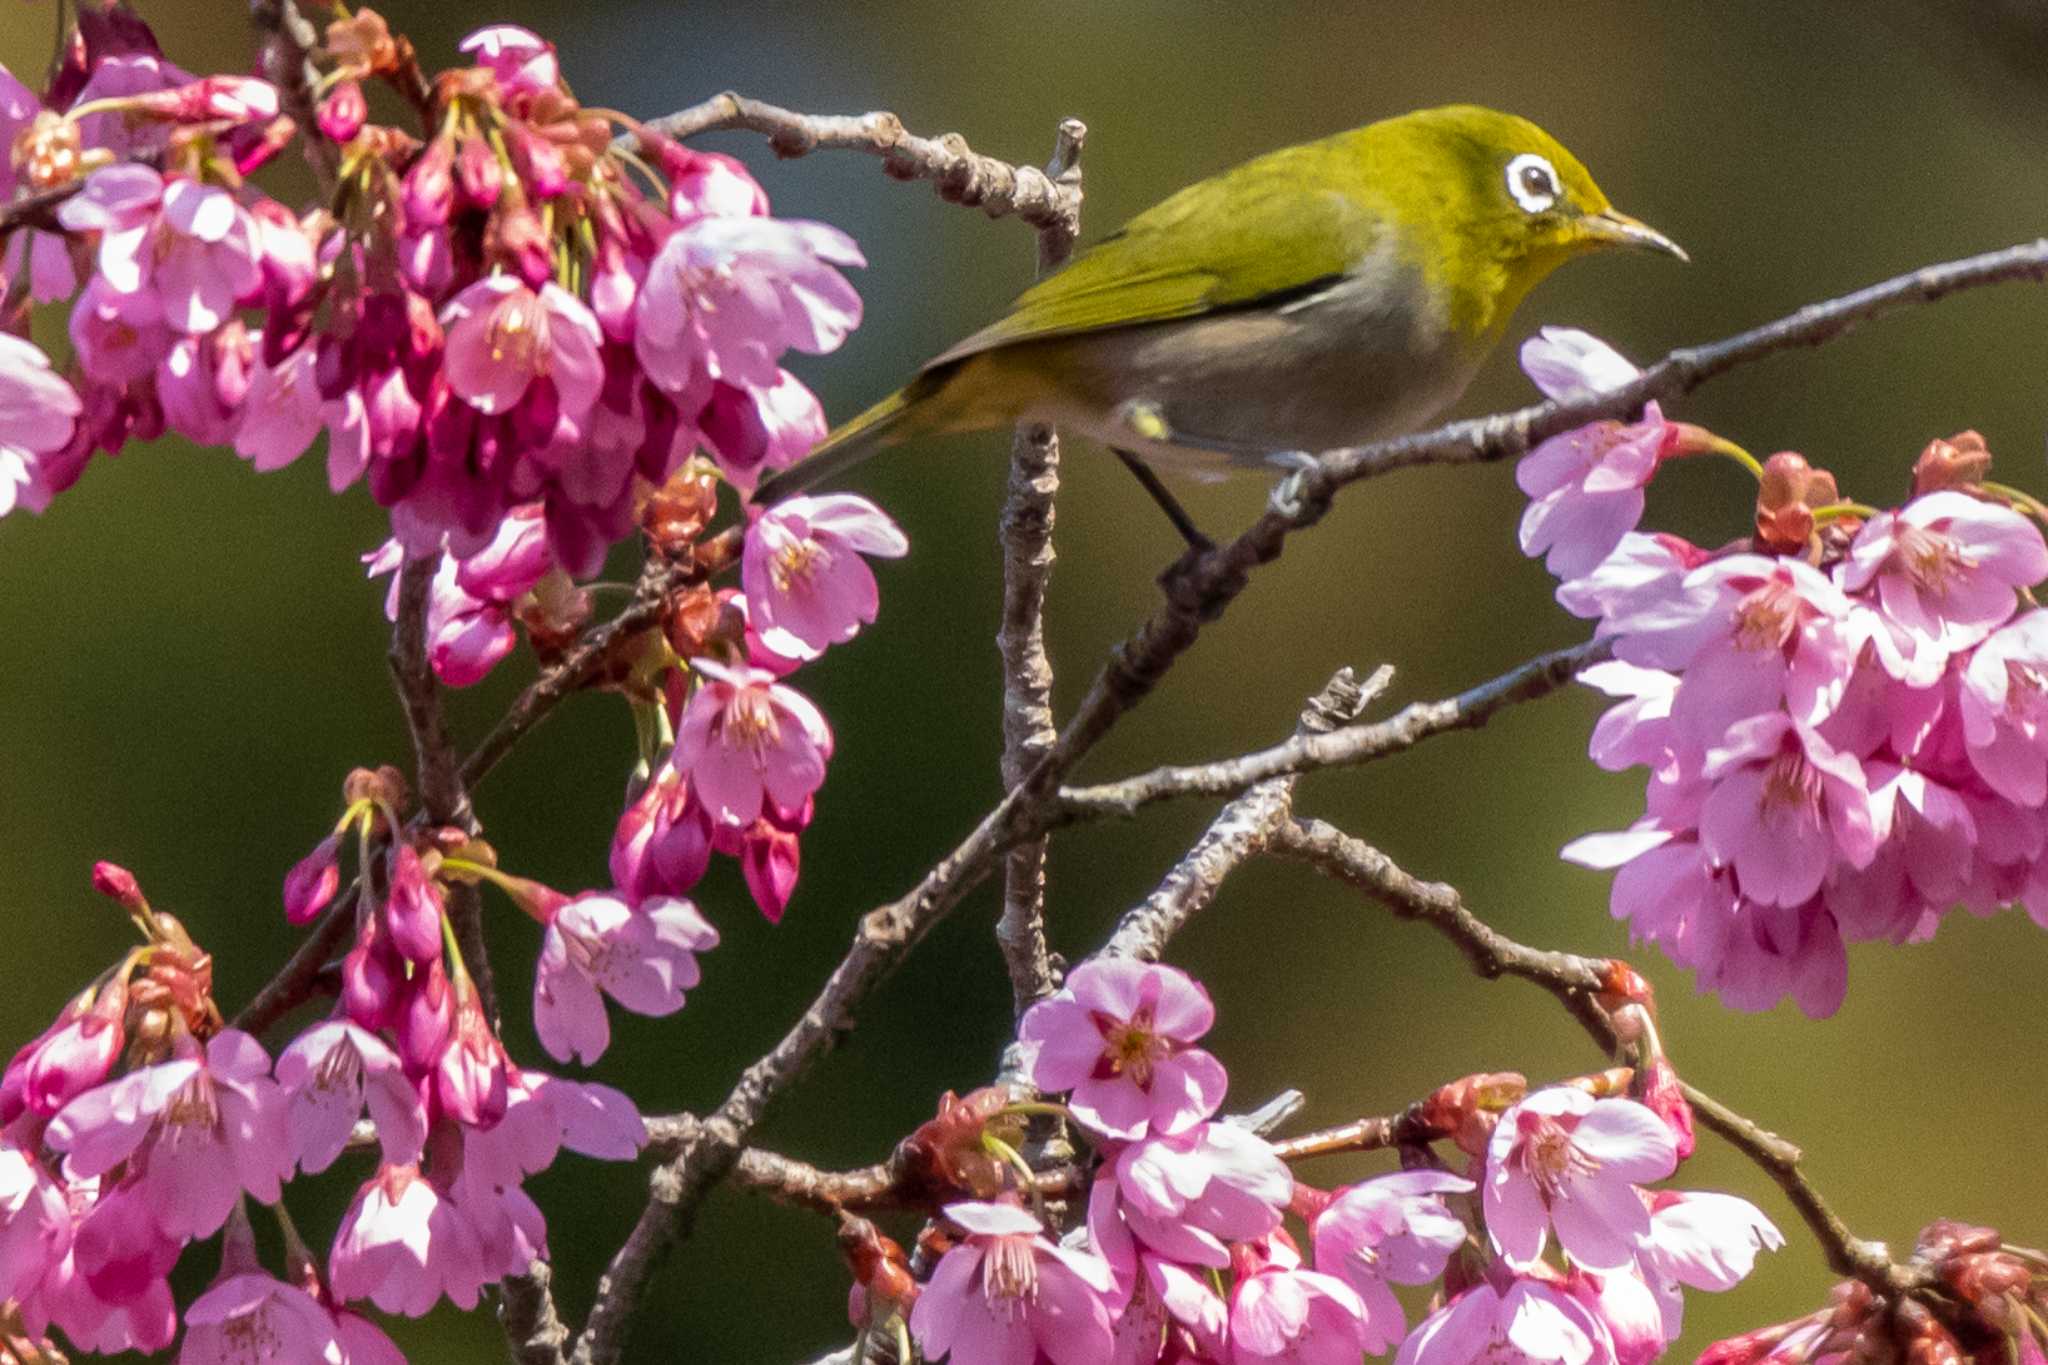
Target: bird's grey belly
1356,364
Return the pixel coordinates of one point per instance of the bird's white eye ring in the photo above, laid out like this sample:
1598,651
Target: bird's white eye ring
1533,182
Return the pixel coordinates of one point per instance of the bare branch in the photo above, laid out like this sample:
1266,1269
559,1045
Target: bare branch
960,174
1508,434
1346,747
1239,831
1576,983
299,979
286,61
1029,730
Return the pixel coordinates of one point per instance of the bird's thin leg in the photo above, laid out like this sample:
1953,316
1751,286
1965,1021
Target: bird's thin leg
1168,503
1147,419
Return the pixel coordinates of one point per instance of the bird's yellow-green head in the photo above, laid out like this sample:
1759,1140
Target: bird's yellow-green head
1487,204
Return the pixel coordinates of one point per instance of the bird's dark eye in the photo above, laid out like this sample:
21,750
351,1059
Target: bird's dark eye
1533,182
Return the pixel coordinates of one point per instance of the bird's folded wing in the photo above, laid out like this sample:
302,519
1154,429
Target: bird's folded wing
1269,230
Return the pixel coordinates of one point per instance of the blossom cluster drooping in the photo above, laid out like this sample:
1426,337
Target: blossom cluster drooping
1186,1255
529,343
1842,713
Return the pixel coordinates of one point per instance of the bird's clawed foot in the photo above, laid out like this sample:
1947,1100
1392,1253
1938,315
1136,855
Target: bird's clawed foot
1290,497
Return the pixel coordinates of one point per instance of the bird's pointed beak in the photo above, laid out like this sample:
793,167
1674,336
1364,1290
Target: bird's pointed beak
1612,227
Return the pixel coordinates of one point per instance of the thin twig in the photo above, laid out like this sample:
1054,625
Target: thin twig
1346,747
1029,730
286,60
1508,434
869,1189
1240,831
1576,983
298,980
960,174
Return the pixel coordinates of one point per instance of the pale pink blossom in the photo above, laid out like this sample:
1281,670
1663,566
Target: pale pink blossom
2003,701
109,1292
1628,1308
118,338
472,1076
807,586
1667,890
704,184
745,739
328,1074
1701,1240
1005,1293
503,338
35,1223
1748,634
38,413
1563,1159
1929,824
1785,806
643,956
119,74
202,382
750,429
1772,951
210,1123
726,296
402,1246
191,246
1586,489
1570,365
1532,1323
283,413
253,1316
1186,1196
1947,568
1120,1035
523,61
1281,1314
1392,1229
1637,732
363,1342
1643,570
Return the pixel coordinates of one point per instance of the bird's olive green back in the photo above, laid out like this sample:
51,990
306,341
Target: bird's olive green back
1268,227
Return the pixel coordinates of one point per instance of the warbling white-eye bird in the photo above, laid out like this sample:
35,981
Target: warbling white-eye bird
1329,294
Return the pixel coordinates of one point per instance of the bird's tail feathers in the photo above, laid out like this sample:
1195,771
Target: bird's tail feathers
892,420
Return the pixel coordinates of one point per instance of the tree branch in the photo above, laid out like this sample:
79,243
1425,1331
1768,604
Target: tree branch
1345,747
1508,434
299,979
1576,983
1026,533
960,174
285,58
1239,831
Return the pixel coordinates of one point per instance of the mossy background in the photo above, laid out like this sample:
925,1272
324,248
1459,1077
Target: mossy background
197,662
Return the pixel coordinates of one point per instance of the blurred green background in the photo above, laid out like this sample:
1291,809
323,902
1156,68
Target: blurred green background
198,664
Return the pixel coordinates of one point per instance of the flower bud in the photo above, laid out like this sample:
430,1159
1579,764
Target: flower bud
1786,496
676,513
1962,461
1663,1096
430,186
412,906
118,884
479,175
312,882
343,112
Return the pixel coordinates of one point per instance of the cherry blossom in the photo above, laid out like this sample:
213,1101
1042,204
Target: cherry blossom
1531,1323
1563,1159
1120,1035
210,1122
745,739
807,586
1282,1314
328,1074
38,412
643,956
402,1246
1393,1229
1006,1293
1186,1196
1946,568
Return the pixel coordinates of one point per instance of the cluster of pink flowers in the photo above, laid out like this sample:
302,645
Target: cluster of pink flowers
1841,713
107,1175
1183,1202
499,316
